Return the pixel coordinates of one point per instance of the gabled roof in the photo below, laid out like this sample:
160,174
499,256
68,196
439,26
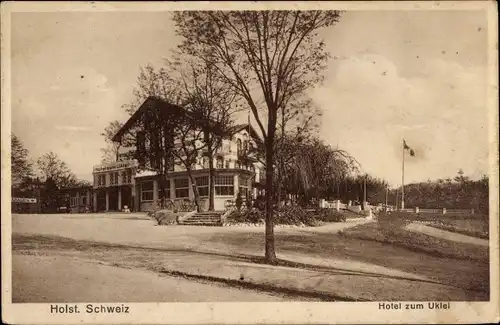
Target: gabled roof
148,103
239,127
152,101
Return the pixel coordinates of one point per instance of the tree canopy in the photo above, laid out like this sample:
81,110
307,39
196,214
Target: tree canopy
21,166
54,169
269,58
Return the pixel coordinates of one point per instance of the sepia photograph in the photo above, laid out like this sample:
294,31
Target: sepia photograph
219,153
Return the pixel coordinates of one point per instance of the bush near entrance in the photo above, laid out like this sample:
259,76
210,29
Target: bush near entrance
286,215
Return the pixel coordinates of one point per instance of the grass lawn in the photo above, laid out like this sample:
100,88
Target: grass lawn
475,225
117,239
418,242
468,269
296,281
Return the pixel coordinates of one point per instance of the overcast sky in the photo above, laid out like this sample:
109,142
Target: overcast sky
417,75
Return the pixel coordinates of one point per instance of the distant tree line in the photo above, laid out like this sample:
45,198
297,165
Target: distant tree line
42,179
460,192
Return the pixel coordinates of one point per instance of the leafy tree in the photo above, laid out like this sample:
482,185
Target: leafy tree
274,53
211,102
21,167
54,169
461,192
112,150
188,145
207,106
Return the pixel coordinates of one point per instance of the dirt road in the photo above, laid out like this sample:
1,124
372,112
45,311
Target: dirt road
51,279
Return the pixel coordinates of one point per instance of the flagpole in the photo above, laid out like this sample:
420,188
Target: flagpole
397,199
403,180
386,195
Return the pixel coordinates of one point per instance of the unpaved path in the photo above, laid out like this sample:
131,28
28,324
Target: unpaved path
52,279
138,229
444,234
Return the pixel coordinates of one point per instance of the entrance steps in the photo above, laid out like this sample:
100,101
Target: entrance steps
203,219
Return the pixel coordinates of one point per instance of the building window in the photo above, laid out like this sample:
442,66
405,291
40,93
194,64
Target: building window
228,163
181,187
238,147
101,180
83,198
226,148
147,191
113,179
74,201
167,190
126,177
205,162
224,185
219,163
251,147
243,186
171,163
202,185
245,147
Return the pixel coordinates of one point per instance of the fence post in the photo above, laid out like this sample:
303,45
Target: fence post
444,210
337,205
417,210
321,203
472,211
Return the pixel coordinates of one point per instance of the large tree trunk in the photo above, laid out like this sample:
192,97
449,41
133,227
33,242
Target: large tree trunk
195,190
270,255
211,180
162,183
279,181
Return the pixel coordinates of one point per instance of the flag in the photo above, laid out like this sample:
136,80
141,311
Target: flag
406,147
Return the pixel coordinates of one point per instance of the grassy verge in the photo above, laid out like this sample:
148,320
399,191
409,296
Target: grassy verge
464,228
441,264
232,259
475,225
418,242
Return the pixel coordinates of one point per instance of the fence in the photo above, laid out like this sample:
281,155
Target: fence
439,211
336,204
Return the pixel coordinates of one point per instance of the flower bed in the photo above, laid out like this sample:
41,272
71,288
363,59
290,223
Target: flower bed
287,215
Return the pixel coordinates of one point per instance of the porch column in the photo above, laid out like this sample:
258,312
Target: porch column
94,201
236,184
107,200
119,199
191,193
155,192
136,194
172,189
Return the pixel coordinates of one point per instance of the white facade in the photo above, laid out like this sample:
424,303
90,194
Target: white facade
122,183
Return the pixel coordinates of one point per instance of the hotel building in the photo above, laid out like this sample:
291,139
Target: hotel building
126,183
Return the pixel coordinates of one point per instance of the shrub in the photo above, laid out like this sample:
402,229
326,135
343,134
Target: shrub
293,215
163,217
287,215
239,201
329,215
248,216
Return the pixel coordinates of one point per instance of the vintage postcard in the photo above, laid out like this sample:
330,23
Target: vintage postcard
249,162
